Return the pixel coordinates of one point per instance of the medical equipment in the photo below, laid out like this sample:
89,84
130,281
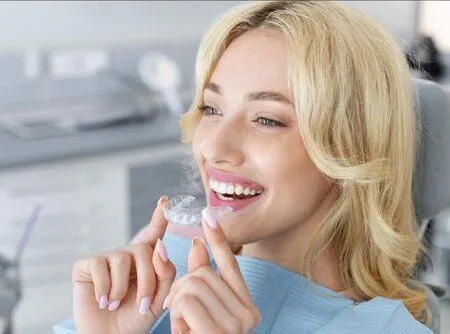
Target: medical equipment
162,74
10,286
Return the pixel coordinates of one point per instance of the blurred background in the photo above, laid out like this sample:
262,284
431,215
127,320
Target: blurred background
90,92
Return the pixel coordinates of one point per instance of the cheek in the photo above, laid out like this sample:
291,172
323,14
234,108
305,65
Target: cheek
294,176
197,143
282,162
308,188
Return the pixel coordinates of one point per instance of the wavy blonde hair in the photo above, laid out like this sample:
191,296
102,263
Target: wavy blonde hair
353,98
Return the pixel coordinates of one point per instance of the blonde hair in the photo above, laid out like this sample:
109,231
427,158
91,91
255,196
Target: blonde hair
353,98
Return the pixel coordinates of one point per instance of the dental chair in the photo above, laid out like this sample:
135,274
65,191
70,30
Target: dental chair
432,174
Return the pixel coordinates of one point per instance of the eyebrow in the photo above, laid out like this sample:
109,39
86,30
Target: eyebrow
254,96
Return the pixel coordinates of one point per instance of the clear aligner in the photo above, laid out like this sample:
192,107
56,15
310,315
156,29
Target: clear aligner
179,213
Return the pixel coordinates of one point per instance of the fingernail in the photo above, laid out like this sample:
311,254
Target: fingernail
162,198
162,251
103,302
195,240
144,307
114,305
209,218
165,303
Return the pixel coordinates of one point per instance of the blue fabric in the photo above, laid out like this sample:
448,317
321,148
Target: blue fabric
289,303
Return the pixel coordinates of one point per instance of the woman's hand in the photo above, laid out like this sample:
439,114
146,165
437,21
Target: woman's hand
204,302
122,291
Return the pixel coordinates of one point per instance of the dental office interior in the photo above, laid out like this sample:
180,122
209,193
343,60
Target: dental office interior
90,95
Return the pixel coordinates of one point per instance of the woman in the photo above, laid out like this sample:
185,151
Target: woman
303,123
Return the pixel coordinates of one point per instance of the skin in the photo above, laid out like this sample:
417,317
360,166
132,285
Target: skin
199,302
297,195
232,137
204,302
126,274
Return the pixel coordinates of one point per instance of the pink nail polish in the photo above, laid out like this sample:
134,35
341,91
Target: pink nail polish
114,305
162,251
103,302
209,218
199,239
162,198
144,307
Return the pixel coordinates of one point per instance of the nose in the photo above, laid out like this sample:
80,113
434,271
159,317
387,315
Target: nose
223,144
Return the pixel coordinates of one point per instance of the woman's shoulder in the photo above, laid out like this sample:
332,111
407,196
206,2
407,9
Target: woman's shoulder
379,315
401,320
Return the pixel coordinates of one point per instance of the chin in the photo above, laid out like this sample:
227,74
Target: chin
239,231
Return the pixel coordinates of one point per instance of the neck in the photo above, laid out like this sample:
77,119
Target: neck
280,253
286,249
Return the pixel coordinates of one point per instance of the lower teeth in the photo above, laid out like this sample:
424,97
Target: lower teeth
223,198
229,199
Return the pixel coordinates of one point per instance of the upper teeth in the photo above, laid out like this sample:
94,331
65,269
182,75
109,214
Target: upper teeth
230,189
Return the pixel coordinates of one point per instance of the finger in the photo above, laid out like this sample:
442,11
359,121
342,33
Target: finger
179,326
146,279
198,255
224,257
189,232
156,228
249,316
219,314
120,265
165,275
189,312
98,269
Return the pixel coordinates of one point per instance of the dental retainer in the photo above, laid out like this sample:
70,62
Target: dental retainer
180,213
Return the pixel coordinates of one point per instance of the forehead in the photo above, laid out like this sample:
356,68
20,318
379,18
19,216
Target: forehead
257,60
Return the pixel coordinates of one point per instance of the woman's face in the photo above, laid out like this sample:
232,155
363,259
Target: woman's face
249,138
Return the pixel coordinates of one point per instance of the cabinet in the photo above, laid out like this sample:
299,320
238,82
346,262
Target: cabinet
86,208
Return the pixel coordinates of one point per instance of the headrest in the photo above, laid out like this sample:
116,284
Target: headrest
432,172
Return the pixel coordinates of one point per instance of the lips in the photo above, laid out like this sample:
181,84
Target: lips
226,177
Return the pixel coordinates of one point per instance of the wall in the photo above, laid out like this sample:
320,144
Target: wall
58,23
398,16
126,29
26,24
434,21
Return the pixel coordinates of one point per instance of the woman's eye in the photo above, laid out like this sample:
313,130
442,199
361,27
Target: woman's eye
260,121
207,110
267,122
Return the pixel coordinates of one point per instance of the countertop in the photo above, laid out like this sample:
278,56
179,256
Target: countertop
17,152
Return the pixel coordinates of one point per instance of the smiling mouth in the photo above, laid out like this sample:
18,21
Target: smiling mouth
232,192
